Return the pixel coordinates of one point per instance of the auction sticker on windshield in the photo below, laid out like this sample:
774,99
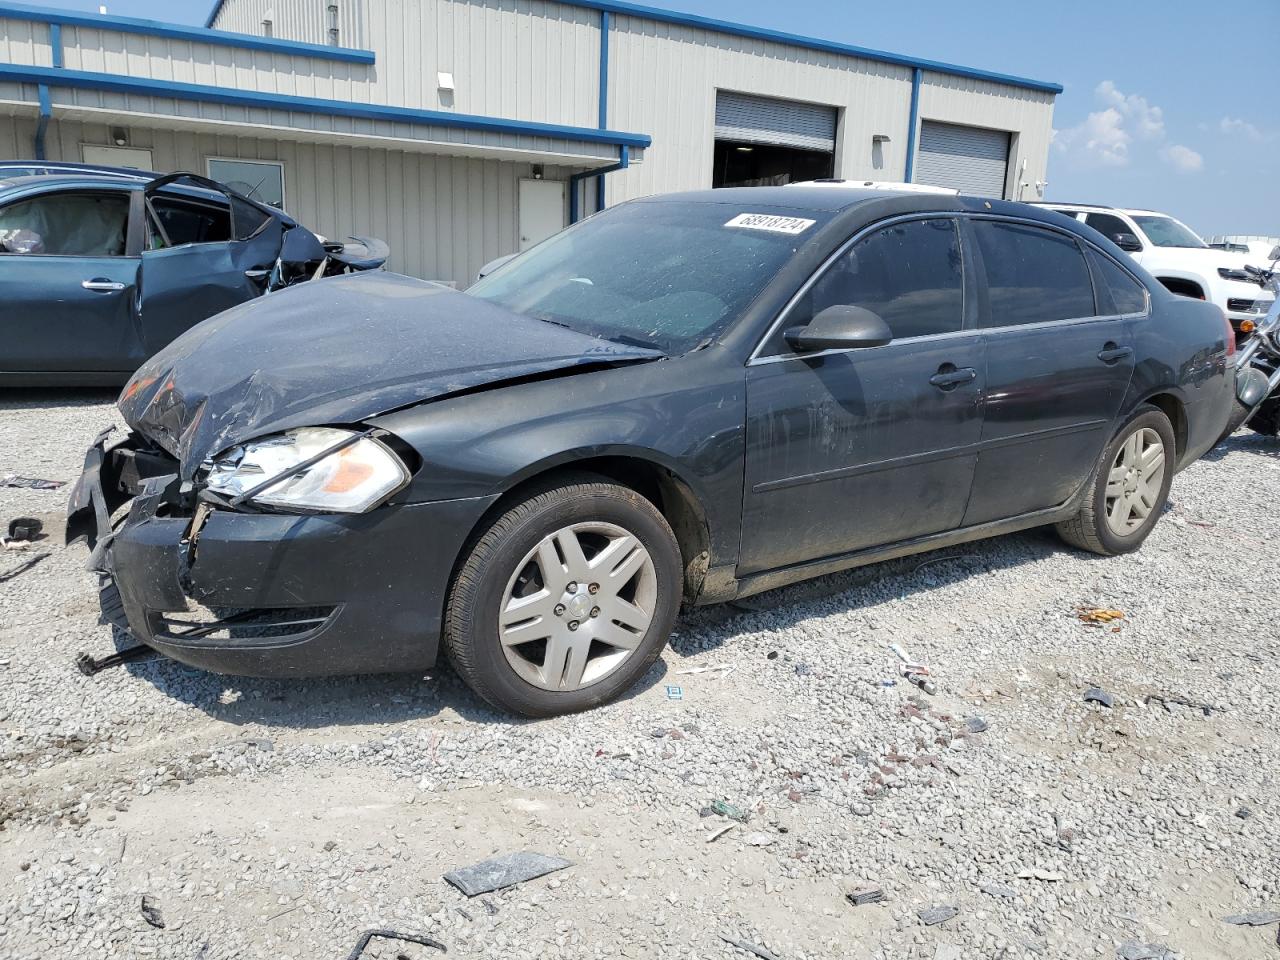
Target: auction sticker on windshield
774,224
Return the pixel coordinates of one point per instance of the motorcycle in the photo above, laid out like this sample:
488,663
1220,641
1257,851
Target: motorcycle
1258,362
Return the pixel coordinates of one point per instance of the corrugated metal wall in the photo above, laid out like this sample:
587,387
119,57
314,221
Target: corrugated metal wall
444,217
305,20
663,82
517,59
1027,114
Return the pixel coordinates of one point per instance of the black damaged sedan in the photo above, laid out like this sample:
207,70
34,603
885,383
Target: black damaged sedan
684,399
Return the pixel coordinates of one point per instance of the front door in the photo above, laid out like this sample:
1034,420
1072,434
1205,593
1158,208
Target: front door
1058,367
849,449
68,286
542,210
195,266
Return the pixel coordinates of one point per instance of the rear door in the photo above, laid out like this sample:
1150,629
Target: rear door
69,301
1059,361
206,252
850,449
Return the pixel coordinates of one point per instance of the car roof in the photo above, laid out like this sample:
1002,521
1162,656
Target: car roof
826,197
1100,206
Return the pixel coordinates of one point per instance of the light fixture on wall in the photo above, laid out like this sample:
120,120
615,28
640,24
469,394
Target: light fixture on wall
444,82
879,138
120,136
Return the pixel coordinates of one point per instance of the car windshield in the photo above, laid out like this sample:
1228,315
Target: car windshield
666,274
1168,232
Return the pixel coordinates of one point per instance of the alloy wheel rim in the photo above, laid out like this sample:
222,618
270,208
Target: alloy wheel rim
1134,481
578,606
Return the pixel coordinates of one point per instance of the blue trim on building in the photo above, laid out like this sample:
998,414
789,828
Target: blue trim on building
810,43
575,204
273,101
213,14
173,31
603,94
55,43
42,125
913,123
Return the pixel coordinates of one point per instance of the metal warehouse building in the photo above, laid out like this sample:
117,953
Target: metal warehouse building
461,130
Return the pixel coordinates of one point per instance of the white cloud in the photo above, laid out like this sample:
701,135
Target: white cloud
1103,138
1146,121
1234,125
1183,159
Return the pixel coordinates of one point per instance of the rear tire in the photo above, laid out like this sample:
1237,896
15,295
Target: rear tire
566,600
1128,489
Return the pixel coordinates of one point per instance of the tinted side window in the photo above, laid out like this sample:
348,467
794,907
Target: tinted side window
1033,275
71,224
1127,294
1108,225
910,274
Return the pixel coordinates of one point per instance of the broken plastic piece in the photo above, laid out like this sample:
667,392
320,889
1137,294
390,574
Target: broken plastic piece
88,665
729,810
931,916
393,935
1258,918
24,528
1098,695
864,895
151,912
30,483
504,871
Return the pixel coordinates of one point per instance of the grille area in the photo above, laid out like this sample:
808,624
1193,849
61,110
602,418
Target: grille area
259,626
1240,306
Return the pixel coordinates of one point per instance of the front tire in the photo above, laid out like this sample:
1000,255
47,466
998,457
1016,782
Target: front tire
565,600
1129,487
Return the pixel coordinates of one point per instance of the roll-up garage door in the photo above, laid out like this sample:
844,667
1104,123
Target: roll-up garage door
744,118
969,159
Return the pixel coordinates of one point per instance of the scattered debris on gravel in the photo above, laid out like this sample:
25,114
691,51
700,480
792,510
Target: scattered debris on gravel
280,819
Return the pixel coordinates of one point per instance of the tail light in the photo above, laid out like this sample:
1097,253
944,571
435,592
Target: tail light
1231,336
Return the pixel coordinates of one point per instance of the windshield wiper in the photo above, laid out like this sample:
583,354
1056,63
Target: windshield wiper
631,341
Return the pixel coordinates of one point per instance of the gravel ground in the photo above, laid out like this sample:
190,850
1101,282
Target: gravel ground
281,819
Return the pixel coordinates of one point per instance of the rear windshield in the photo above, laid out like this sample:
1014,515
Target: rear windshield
663,274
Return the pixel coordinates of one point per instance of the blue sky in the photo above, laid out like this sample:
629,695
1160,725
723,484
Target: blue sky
1169,105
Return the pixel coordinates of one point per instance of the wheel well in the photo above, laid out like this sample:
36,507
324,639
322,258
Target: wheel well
672,496
1172,408
1183,288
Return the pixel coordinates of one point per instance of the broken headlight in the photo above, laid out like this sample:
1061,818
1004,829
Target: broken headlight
359,473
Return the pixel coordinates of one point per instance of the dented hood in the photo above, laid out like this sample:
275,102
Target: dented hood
336,351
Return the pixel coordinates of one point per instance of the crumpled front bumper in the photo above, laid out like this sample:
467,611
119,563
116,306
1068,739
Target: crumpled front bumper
268,594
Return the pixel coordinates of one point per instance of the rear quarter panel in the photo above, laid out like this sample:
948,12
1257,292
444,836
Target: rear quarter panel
1181,350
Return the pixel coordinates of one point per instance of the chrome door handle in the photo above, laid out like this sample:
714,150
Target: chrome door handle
258,274
1111,353
99,285
949,376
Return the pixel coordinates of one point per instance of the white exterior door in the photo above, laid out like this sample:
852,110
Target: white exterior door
542,210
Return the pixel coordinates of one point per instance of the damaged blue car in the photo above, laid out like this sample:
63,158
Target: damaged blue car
99,270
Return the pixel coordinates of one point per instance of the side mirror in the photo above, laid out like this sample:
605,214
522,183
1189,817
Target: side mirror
840,328
493,265
1274,254
1127,242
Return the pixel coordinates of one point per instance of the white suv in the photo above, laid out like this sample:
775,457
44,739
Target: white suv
1177,257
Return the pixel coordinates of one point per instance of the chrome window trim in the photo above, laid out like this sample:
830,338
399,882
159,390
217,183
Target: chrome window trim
756,357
